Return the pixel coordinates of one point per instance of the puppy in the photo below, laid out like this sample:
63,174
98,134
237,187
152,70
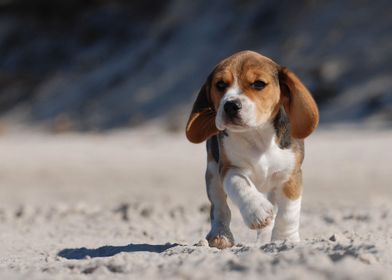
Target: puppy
254,115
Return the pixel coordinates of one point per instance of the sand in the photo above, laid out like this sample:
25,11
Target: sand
132,205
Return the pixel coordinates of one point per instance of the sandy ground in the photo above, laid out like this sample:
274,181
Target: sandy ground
133,205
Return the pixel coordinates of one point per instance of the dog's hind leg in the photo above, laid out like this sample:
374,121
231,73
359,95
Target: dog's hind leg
220,235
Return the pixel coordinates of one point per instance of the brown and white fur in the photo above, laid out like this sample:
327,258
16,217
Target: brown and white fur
254,115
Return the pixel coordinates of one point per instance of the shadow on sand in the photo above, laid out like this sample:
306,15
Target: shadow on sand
108,251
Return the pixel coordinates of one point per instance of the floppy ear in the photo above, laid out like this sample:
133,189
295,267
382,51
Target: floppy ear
201,123
298,103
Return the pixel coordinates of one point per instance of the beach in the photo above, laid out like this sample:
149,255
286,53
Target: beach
132,204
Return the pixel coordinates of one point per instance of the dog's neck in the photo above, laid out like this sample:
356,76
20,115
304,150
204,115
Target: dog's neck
258,138
275,131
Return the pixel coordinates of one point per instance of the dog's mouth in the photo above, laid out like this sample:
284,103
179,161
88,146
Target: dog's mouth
235,123
234,120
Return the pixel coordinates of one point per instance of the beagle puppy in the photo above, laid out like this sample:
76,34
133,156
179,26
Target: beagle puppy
254,115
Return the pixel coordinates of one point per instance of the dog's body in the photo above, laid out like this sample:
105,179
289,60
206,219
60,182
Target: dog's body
253,114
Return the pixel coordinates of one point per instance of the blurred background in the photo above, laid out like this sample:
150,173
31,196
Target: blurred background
96,65
89,90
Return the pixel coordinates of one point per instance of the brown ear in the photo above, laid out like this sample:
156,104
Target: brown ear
201,123
298,103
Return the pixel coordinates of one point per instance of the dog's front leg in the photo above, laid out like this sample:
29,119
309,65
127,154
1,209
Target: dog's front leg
255,208
264,234
220,235
288,199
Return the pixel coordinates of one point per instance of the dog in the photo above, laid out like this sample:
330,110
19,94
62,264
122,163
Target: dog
254,115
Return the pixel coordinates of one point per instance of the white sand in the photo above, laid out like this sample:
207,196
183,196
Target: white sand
133,204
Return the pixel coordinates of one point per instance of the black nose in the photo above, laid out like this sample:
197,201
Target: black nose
232,107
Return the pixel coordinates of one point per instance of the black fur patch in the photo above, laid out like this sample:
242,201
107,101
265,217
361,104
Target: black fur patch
213,147
282,129
212,212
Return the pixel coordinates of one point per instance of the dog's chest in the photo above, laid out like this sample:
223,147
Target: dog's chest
266,164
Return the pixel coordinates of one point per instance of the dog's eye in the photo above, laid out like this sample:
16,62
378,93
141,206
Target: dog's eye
258,85
221,85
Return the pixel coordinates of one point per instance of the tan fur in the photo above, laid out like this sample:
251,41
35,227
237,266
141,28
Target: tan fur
299,104
293,187
201,123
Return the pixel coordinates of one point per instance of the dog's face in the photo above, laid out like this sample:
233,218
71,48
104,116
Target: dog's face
245,91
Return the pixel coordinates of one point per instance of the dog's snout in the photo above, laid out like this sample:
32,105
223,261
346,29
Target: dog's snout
232,107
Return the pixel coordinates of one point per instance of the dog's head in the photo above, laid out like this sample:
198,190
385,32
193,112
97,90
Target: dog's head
245,91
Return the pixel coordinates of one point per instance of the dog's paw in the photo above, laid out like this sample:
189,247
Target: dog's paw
257,212
220,240
286,236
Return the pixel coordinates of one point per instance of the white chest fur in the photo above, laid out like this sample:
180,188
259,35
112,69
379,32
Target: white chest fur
258,156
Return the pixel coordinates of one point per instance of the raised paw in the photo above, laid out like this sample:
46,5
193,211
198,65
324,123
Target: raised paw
257,212
220,240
